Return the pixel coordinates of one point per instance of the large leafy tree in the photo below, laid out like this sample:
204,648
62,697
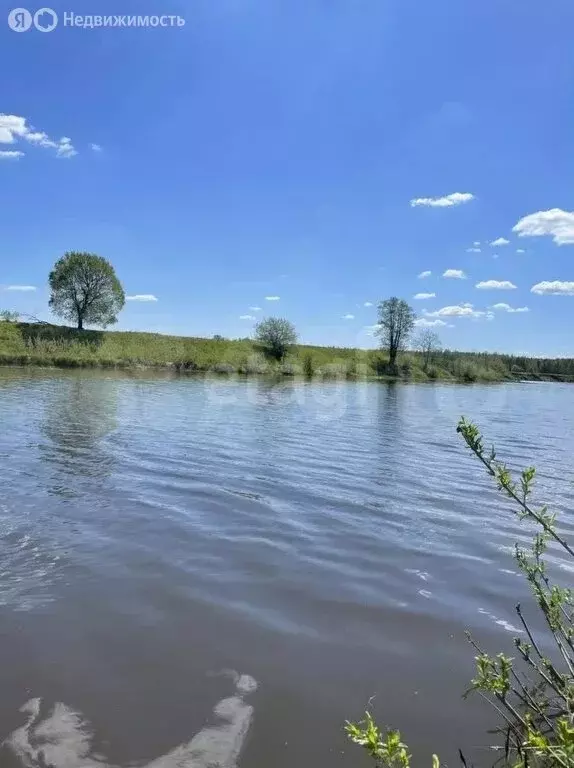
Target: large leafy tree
276,335
396,322
85,290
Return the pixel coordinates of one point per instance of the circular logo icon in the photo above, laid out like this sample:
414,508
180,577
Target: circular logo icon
20,20
45,20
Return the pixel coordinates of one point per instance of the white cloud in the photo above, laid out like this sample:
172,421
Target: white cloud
64,148
348,317
424,296
494,255
19,287
10,127
495,285
458,310
520,250
272,298
554,288
246,317
10,154
13,127
500,241
255,309
473,250
476,242
142,297
426,273
507,308
455,198
422,322
453,311
96,147
458,274
368,304
555,223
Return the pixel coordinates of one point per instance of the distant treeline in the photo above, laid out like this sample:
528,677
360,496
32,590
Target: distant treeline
512,364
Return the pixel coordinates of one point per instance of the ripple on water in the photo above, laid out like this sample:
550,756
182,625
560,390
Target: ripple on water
328,522
29,566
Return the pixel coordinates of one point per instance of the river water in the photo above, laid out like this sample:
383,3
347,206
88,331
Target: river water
204,572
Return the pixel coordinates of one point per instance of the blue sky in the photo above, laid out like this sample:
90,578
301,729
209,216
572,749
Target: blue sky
274,148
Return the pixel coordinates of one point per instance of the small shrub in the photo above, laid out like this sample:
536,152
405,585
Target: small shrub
290,369
308,366
352,369
432,372
223,368
379,365
469,373
406,367
276,336
334,370
253,364
186,366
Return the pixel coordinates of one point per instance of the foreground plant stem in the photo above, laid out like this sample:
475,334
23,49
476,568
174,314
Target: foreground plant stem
537,716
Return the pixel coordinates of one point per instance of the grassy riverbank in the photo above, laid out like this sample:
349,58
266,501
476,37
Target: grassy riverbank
59,346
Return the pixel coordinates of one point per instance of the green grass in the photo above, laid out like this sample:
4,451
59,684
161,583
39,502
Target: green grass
60,346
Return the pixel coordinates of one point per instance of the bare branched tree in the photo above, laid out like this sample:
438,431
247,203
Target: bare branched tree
427,342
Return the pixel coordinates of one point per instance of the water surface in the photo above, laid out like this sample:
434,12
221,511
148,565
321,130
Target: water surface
205,571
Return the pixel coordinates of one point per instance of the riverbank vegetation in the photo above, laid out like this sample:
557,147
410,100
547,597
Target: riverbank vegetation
85,290
43,344
532,694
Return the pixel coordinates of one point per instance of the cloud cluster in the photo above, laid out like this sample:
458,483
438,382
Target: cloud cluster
426,273
456,274
495,285
507,308
448,201
142,297
474,249
422,322
554,223
10,154
500,241
348,317
14,128
246,317
554,288
459,310
272,298
424,296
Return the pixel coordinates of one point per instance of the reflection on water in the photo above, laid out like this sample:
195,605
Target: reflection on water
81,412
63,739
